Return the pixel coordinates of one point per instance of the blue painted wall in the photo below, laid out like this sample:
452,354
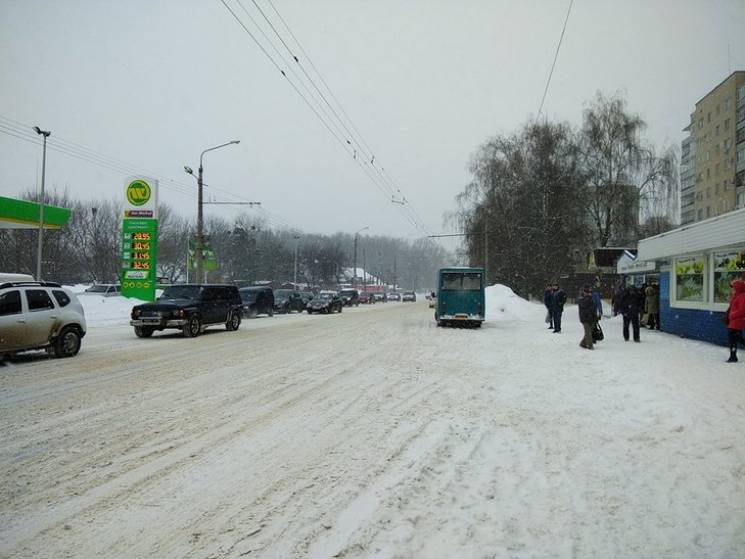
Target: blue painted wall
689,323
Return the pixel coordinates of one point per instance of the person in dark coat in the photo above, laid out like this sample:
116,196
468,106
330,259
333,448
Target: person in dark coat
616,298
548,294
598,302
630,305
587,316
736,319
557,306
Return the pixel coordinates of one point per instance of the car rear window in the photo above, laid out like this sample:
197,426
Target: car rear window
10,303
62,299
38,300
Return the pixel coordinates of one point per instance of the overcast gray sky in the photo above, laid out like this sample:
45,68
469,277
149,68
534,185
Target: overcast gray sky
156,82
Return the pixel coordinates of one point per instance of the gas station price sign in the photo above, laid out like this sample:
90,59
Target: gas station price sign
139,254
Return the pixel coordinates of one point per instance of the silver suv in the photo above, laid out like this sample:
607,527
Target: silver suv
38,315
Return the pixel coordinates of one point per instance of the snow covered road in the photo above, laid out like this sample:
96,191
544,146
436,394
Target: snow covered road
374,433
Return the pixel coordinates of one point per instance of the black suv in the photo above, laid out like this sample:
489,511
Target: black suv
257,300
190,308
287,300
350,297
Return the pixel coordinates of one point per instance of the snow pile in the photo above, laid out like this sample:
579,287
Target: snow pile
503,304
101,311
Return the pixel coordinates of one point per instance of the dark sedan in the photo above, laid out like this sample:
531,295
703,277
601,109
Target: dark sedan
325,303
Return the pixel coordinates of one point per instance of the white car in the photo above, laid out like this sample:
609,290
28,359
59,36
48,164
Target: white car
40,315
103,289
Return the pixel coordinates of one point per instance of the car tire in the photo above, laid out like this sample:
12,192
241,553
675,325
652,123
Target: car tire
67,343
144,331
233,322
192,327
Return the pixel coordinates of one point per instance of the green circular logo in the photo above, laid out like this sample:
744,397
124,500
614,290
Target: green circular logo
138,193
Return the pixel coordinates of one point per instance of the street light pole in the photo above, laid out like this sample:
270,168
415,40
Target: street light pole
45,134
354,273
297,242
199,249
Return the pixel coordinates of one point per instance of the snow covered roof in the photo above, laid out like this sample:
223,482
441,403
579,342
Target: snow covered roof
721,231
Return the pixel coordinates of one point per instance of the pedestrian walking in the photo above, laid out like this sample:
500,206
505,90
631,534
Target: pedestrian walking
643,304
735,318
616,297
652,306
630,307
558,299
587,316
548,294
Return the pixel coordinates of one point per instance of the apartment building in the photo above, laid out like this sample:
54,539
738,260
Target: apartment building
712,167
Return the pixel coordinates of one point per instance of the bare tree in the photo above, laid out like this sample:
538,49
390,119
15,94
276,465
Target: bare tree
627,177
527,200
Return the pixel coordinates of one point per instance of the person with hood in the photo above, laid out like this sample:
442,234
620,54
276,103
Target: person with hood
736,319
557,306
548,294
652,306
630,305
587,316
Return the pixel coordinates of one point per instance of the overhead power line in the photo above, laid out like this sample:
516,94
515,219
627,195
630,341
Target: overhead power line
359,139
556,56
342,130
22,131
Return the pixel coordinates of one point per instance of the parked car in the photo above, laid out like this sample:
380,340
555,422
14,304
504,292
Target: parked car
350,297
367,298
191,308
394,296
38,315
103,289
408,296
306,296
287,300
380,297
256,301
325,303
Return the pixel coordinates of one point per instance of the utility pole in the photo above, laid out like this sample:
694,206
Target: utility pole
297,242
354,274
395,257
486,256
45,134
199,249
364,269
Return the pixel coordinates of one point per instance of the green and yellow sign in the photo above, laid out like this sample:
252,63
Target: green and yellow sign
139,238
138,192
139,258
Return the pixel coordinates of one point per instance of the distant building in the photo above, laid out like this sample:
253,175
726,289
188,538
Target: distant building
712,165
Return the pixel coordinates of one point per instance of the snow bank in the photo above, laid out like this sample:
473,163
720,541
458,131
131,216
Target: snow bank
101,311
503,304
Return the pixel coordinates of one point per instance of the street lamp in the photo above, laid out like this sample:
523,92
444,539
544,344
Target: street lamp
199,249
354,274
45,134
